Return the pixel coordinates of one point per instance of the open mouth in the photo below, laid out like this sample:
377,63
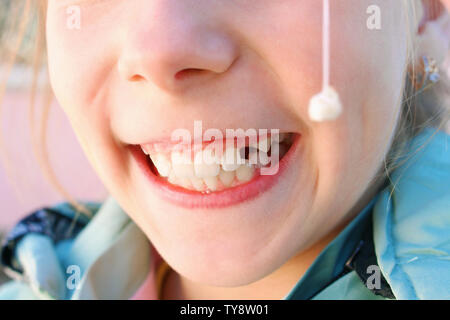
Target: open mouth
216,174
216,168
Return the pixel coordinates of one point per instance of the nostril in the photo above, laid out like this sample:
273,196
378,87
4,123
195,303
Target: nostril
136,78
180,75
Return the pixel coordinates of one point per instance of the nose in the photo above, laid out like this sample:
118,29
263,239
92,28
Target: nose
173,46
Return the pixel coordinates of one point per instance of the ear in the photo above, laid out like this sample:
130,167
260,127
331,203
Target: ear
433,36
432,11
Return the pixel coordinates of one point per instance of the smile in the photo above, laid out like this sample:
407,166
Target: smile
216,175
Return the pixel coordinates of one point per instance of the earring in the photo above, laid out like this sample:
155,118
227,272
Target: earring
426,75
326,105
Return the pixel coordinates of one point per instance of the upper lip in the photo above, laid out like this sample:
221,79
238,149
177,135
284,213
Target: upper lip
151,131
168,144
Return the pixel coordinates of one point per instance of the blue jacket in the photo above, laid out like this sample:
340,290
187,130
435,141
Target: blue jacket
398,247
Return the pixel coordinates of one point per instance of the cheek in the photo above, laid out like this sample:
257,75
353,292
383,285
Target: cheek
80,61
80,68
293,52
367,68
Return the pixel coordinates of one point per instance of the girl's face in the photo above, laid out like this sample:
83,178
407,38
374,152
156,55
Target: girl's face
137,70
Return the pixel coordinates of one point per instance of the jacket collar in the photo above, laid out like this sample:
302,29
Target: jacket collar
412,221
411,228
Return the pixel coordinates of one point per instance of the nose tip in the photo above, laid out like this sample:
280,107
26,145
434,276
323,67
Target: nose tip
178,60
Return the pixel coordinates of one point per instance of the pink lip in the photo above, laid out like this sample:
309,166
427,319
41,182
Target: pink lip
193,199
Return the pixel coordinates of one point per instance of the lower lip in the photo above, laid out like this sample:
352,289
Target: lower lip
190,199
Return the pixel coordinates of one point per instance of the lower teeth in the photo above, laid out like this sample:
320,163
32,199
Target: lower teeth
225,179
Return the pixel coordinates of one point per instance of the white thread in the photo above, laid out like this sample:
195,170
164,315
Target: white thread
326,44
326,105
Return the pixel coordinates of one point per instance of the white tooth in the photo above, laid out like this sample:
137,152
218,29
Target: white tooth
162,164
245,173
144,150
182,164
258,158
211,183
252,156
184,182
226,177
263,158
263,144
205,164
197,183
230,159
172,178
279,137
159,147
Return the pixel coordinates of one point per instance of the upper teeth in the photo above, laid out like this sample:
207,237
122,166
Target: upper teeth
231,159
205,164
162,164
207,168
181,165
263,144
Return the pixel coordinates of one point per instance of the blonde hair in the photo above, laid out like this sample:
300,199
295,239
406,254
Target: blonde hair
27,21
428,107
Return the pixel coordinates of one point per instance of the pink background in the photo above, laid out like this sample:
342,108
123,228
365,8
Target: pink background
27,189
